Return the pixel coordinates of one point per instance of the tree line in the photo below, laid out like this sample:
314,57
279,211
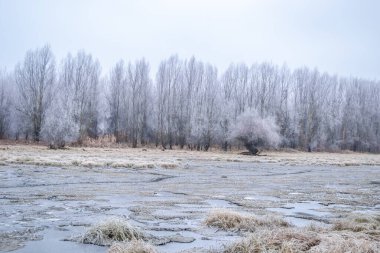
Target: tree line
188,104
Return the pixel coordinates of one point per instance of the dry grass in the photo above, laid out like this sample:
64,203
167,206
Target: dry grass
135,246
234,221
109,231
86,157
324,158
356,234
338,242
281,240
151,157
294,240
369,224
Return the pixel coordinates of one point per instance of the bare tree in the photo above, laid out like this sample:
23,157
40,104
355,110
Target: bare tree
5,104
167,82
138,83
118,102
206,111
80,78
35,78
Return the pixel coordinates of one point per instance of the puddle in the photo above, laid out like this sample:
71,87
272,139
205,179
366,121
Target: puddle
172,213
52,242
219,203
262,197
303,213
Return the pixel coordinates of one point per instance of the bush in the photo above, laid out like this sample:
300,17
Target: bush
255,132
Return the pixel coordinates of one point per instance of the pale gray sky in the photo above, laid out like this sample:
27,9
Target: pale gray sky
340,37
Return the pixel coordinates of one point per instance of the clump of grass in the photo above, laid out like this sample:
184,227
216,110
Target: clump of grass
234,221
288,240
109,231
337,242
357,234
272,221
364,223
135,246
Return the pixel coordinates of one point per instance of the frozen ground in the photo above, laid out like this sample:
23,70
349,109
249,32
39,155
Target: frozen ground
48,196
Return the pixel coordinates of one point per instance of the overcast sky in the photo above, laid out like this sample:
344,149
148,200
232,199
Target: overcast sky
341,37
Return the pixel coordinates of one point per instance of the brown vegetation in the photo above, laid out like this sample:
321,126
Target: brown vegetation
135,246
343,242
360,223
281,240
355,234
16,153
234,221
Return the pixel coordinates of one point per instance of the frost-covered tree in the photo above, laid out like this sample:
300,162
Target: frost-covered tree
168,81
35,79
190,92
118,105
129,101
60,128
255,132
137,81
80,77
189,105
205,109
5,104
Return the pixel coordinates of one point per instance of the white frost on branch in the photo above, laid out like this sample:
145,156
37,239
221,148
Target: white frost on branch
255,131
